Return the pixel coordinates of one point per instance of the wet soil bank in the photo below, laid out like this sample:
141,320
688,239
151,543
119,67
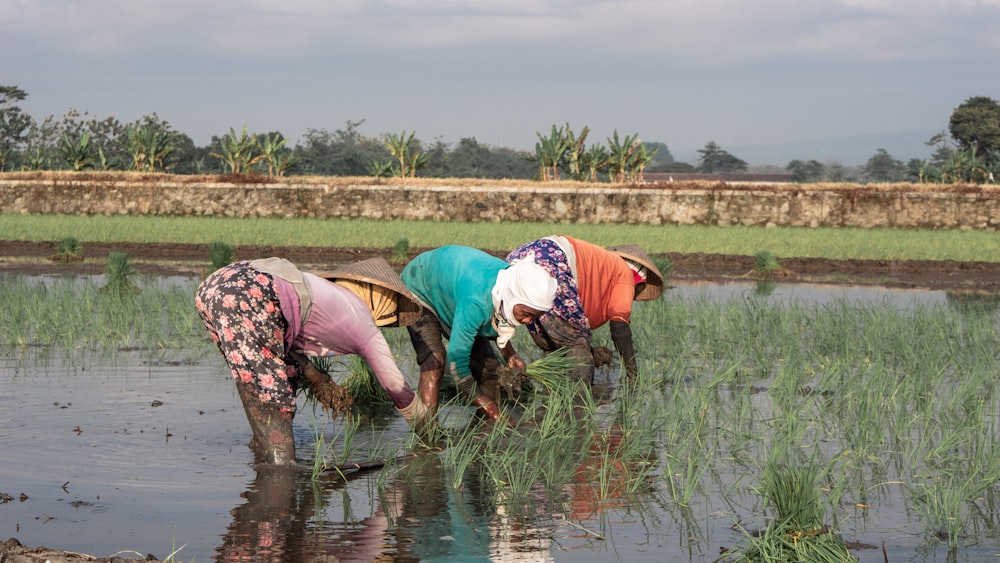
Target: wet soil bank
34,258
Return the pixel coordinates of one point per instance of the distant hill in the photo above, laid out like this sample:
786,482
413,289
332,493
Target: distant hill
849,151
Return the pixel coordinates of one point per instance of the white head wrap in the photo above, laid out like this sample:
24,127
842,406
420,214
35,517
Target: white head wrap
524,282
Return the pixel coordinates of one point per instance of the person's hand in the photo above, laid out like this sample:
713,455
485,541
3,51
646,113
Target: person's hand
418,415
515,361
602,356
334,398
510,380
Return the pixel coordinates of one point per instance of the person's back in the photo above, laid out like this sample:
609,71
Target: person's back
449,275
605,283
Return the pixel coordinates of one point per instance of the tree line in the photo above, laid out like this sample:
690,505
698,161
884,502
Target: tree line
969,152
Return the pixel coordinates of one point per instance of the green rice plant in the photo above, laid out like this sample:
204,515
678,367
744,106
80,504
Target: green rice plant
550,370
796,532
338,448
221,254
832,243
320,449
363,386
120,276
461,450
400,251
764,262
69,250
512,469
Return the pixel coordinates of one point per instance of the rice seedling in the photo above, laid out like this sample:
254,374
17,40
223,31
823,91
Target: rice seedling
796,531
69,250
550,371
363,386
120,276
400,251
330,452
765,263
221,255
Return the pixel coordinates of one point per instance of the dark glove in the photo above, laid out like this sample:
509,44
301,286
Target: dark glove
621,335
511,379
602,356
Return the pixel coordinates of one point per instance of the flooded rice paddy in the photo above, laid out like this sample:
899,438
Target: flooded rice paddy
137,451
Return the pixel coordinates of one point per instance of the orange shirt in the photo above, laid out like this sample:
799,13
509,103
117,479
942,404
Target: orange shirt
605,282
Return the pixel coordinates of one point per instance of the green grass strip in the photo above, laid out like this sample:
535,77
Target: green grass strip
782,242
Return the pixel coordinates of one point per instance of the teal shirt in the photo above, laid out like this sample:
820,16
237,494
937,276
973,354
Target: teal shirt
457,282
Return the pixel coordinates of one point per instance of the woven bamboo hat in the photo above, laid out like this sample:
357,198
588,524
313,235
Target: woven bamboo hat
653,287
377,271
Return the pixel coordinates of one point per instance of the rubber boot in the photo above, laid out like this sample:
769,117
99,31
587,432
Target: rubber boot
273,442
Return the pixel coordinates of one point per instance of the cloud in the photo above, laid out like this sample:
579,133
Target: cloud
711,32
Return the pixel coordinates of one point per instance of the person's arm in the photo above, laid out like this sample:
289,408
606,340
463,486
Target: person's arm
379,356
466,325
621,335
313,375
512,358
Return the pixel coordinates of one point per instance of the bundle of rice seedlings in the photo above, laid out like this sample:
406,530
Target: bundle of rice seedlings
334,399
550,371
120,275
363,386
796,532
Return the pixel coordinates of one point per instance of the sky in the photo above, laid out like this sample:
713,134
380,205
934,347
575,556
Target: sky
740,73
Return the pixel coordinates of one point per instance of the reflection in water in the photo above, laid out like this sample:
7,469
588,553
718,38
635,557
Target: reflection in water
415,516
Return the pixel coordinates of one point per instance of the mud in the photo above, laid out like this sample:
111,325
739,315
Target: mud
11,551
36,258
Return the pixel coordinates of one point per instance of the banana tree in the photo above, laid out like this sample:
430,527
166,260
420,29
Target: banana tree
595,160
575,147
78,154
273,154
549,152
621,156
149,147
641,158
402,147
237,151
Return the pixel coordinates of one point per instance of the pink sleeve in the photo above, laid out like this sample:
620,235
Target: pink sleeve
340,323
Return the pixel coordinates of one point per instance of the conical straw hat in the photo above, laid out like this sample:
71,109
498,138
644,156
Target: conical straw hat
654,279
378,272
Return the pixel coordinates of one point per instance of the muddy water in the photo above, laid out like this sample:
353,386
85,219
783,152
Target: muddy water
106,454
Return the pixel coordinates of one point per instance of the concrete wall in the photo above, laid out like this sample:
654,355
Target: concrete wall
898,206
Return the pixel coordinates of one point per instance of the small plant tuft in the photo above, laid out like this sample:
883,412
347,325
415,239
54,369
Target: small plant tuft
120,276
796,532
764,262
401,251
222,255
69,250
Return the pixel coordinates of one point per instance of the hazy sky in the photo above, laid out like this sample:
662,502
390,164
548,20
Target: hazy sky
682,72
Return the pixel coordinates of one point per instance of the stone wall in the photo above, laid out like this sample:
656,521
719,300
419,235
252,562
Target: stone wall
897,206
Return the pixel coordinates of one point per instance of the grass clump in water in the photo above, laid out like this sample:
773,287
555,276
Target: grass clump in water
120,276
796,532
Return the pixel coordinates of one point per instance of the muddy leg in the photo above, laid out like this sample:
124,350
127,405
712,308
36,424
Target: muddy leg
425,335
429,386
273,441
